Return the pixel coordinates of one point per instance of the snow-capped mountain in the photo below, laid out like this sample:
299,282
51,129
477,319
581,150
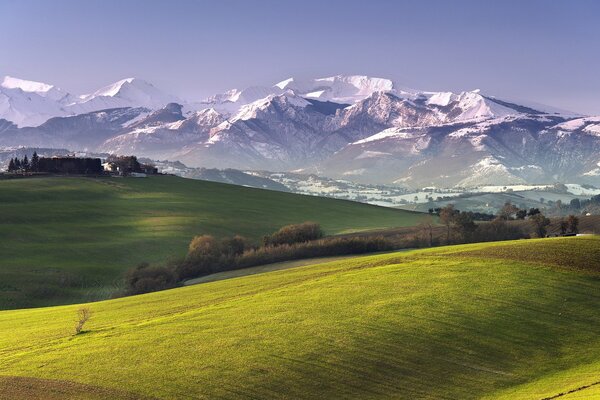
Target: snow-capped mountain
130,92
366,129
29,103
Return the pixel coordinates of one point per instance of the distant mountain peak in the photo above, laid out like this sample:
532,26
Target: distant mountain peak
114,89
11,82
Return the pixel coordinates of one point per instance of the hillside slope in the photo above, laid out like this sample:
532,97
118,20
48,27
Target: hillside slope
475,321
69,239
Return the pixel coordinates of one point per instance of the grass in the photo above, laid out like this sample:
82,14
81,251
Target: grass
264,268
65,240
443,323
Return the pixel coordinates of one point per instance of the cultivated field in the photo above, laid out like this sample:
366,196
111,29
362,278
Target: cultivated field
508,320
65,240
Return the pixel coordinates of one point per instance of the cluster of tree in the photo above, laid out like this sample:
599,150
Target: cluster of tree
510,212
207,255
477,216
592,205
575,206
569,225
24,164
461,226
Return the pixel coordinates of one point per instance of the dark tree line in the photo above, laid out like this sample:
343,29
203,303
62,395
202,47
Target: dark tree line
24,164
207,255
462,228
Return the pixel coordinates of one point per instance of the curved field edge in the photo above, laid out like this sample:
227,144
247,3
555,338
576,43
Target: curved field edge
13,387
438,323
69,239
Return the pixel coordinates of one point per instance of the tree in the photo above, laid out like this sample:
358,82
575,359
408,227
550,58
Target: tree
233,247
11,166
83,315
427,228
521,214
35,162
25,164
447,218
204,246
533,211
465,225
563,226
508,211
573,224
539,223
17,164
575,204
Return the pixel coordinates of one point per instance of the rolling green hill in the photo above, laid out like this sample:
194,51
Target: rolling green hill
65,240
509,320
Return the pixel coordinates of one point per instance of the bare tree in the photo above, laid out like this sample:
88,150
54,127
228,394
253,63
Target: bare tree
573,224
539,223
508,211
447,215
426,226
83,315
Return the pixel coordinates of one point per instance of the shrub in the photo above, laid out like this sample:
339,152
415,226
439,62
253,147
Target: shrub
291,234
144,279
83,315
317,248
203,246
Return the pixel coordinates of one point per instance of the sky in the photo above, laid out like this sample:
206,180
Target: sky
540,51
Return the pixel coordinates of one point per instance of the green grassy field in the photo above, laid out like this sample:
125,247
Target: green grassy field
64,240
509,320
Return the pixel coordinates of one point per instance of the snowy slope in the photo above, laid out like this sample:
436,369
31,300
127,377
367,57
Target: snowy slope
130,92
31,103
351,127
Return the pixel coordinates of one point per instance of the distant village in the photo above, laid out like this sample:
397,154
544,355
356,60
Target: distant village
74,165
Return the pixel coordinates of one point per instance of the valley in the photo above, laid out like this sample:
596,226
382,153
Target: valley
510,320
69,239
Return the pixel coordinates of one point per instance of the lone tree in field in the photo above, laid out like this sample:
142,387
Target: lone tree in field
83,315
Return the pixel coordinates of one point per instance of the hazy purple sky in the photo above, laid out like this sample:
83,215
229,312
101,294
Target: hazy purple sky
544,51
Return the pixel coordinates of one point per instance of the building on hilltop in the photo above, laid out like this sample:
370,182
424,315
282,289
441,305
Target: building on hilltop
128,165
70,165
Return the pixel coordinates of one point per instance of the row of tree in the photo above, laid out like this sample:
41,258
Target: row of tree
24,164
208,255
462,225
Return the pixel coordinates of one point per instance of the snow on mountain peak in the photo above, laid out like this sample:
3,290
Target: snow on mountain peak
129,92
11,82
115,88
251,110
339,88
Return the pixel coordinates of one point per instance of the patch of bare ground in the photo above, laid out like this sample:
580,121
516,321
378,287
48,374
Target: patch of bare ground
25,388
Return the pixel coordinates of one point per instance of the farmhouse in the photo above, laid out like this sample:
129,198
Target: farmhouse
128,165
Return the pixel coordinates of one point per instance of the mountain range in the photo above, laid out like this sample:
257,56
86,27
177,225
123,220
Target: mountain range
357,128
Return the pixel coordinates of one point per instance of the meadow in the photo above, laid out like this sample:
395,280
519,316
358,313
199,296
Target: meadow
505,320
69,239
